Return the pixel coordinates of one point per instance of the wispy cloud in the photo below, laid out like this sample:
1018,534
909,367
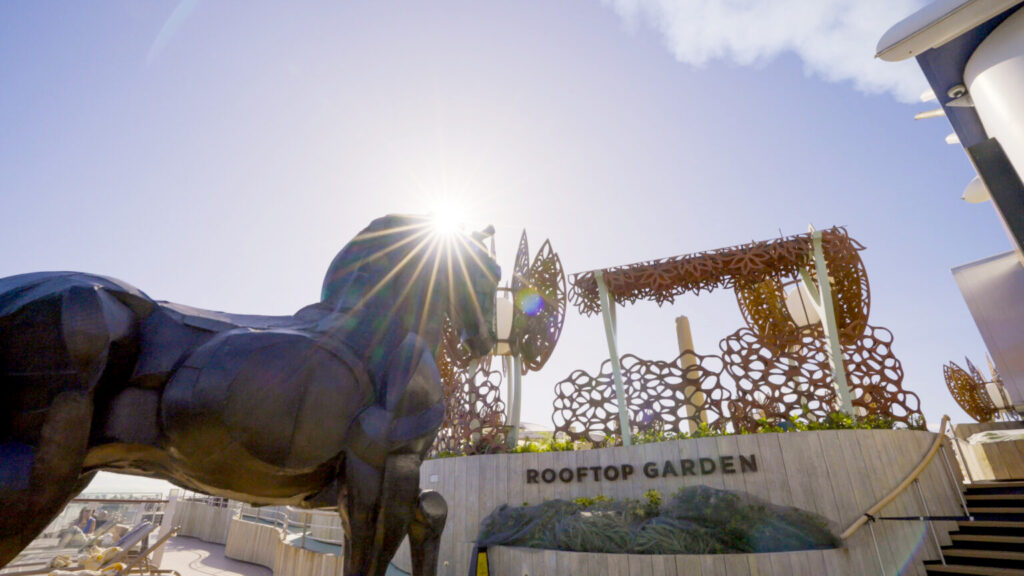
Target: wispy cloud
834,38
171,26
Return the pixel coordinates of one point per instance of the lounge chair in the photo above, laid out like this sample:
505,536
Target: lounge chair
133,562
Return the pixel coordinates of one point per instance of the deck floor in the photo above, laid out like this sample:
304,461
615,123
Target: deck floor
193,557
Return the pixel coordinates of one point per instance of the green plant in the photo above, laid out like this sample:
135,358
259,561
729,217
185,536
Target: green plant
585,502
549,446
653,503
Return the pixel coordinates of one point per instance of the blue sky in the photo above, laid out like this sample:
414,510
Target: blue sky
219,154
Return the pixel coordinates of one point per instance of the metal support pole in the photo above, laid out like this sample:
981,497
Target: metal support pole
963,457
607,311
821,296
929,523
878,553
952,479
517,396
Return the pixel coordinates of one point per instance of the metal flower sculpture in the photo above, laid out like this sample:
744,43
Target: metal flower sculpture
538,288
968,388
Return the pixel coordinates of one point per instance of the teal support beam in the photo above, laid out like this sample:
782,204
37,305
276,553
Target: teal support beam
517,397
821,296
608,313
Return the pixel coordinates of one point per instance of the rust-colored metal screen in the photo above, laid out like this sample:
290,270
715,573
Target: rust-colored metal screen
746,383
772,369
663,280
474,416
658,395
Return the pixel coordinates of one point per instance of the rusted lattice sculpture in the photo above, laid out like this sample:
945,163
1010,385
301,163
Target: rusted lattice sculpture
662,395
779,369
762,300
797,384
474,417
663,280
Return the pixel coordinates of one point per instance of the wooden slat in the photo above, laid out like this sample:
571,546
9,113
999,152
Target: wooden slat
618,565
754,483
772,465
640,565
690,565
737,564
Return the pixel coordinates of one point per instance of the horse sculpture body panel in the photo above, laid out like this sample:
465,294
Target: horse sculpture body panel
337,404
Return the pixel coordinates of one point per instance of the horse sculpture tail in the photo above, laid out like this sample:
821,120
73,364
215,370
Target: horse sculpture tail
383,499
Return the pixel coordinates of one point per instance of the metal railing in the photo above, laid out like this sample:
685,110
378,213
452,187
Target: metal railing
322,525
870,515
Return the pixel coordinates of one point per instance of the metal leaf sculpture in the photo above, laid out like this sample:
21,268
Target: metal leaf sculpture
520,279
969,389
540,300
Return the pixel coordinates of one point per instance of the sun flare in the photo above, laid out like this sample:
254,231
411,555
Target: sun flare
447,219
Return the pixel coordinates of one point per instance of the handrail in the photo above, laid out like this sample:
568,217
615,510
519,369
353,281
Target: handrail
925,461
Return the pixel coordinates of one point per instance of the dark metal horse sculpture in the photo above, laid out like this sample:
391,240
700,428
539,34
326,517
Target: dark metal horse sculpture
336,405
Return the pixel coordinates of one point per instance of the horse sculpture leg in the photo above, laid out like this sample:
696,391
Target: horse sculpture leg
359,504
54,352
53,478
425,533
383,469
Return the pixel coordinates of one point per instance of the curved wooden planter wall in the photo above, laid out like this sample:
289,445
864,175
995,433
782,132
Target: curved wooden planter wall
838,474
253,542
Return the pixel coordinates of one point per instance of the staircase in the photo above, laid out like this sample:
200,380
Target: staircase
993,543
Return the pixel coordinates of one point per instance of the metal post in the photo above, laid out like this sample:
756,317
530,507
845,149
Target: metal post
821,296
928,522
517,396
607,311
963,458
878,553
956,485
305,527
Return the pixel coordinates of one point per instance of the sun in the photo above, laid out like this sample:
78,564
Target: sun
447,219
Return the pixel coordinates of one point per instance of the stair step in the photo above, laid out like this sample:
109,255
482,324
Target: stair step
1012,487
971,570
987,541
995,496
998,558
997,513
996,527
1007,499
996,484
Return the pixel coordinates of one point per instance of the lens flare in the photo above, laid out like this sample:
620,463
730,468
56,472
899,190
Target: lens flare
530,301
